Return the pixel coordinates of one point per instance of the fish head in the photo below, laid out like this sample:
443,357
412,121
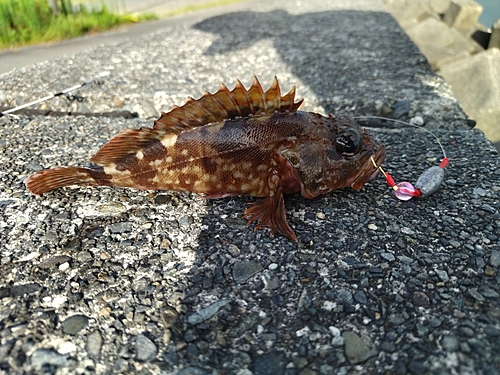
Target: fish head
335,152
352,155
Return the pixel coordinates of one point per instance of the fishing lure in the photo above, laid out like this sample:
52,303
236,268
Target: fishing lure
428,182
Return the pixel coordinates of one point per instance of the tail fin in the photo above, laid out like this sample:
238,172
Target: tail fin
54,178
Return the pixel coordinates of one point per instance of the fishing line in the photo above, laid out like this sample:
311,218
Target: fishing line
428,182
63,92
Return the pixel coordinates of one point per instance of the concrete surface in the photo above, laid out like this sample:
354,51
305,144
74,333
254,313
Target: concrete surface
100,280
462,15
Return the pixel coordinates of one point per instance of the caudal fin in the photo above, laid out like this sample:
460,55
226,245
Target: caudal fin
54,178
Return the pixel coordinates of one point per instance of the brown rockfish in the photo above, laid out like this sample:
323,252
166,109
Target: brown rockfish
233,143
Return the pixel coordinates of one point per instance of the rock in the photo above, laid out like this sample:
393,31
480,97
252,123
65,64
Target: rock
75,324
357,350
495,35
112,208
43,357
207,312
145,348
450,343
243,270
478,74
401,108
66,347
439,6
121,227
416,367
344,297
360,296
272,363
420,299
148,109
462,14
439,43
443,275
474,293
488,292
191,370
388,256
93,346
495,258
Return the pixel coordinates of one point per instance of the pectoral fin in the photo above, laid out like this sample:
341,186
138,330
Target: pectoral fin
270,211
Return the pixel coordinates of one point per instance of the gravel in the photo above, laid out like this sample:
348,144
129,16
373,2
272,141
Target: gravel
101,280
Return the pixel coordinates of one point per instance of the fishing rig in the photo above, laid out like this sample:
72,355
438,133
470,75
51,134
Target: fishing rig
428,182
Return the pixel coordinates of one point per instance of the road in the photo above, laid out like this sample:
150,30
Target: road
27,56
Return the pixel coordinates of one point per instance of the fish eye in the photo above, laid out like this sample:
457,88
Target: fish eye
348,142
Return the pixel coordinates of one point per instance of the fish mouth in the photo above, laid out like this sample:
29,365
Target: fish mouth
370,171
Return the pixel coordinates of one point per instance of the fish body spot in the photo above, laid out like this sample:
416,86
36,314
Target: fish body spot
169,141
262,167
139,155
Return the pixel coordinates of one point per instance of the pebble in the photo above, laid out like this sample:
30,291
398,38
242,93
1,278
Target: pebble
122,227
495,258
357,350
401,108
450,343
93,346
466,331
112,208
145,348
372,227
272,363
360,296
192,370
243,270
396,319
417,120
474,293
66,347
420,299
388,256
488,292
207,312
44,357
416,367
75,324
443,275
344,297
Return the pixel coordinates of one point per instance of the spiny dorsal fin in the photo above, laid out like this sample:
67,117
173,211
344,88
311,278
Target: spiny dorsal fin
129,142
225,104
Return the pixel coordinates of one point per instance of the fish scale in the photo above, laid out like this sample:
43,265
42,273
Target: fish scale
239,142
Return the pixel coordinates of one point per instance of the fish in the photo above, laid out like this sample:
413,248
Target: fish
230,143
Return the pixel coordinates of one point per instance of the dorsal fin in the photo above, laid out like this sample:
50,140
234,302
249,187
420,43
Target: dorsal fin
129,142
225,104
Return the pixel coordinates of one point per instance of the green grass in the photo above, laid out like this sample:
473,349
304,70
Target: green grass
25,22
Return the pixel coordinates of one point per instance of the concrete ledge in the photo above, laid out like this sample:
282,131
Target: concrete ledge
462,14
444,31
